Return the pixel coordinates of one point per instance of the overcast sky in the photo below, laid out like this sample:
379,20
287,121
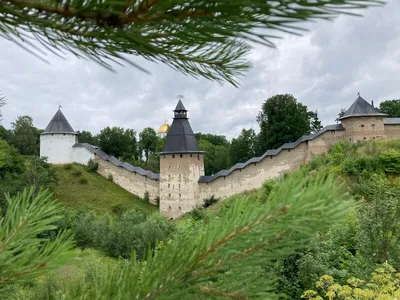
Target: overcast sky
324,69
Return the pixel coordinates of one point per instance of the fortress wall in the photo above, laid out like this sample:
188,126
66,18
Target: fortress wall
80,155
130,181
253,175
392,131
322,143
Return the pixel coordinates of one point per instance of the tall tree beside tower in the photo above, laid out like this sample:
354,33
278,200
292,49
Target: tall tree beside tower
282,119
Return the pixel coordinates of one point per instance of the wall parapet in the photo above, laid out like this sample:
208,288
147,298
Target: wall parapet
116,162
274,152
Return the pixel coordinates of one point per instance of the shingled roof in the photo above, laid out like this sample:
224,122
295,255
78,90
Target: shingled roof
361,108
180,138
59,124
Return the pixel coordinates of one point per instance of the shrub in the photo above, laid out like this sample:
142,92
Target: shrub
117,208
197,214
210,201
384,284
391,161
67,167
146,196
77,173
92,166
132,230
110,177
83,180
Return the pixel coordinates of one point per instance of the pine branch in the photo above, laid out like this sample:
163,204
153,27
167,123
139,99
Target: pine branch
23,255
208,38
227,258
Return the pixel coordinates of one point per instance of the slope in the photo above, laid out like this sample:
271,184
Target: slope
82,190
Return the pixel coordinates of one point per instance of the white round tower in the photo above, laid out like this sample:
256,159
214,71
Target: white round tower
57,140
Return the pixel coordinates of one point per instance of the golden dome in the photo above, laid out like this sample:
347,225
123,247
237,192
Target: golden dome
163,128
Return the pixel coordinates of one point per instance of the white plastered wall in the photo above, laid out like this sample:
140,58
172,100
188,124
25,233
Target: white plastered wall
81,155
57,147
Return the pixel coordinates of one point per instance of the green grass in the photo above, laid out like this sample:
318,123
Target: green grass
98,194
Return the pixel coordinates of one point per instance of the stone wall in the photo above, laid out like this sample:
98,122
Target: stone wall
392,131
130,181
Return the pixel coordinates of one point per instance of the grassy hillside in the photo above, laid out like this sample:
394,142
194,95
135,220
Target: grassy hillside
79,189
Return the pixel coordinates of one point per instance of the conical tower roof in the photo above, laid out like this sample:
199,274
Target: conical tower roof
180,138
361,108
59,124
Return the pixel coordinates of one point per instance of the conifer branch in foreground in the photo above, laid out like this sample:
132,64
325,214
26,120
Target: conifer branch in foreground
24,255
208,38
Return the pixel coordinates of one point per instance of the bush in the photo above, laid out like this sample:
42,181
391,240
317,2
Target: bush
92,166
210,201
117,208
391,161
146,196
77,173
110,177
197,214
384,284
67,167
132,230
83,180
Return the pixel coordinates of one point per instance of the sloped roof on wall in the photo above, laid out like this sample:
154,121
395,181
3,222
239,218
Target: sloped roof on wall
304,138
58,124
391,121
361,108
116,162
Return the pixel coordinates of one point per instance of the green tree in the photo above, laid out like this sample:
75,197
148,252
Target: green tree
2,103
24,136
340,114
315,123
243,147
282,119
87,137
119,142
198,38
391,108
148,142
216,148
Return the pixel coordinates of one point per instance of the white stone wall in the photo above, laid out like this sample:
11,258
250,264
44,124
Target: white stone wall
132,182
57,147
81,155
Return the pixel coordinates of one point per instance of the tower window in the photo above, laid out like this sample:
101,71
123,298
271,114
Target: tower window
181,155
373,125
169,194
173,155
169,185
198,156
191,155
362,125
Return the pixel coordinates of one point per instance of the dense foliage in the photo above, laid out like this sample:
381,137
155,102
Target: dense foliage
383,284
133,231
282,119
17,172
391,108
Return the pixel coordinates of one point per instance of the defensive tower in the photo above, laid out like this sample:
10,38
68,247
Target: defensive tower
181,165
362,121
57,140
